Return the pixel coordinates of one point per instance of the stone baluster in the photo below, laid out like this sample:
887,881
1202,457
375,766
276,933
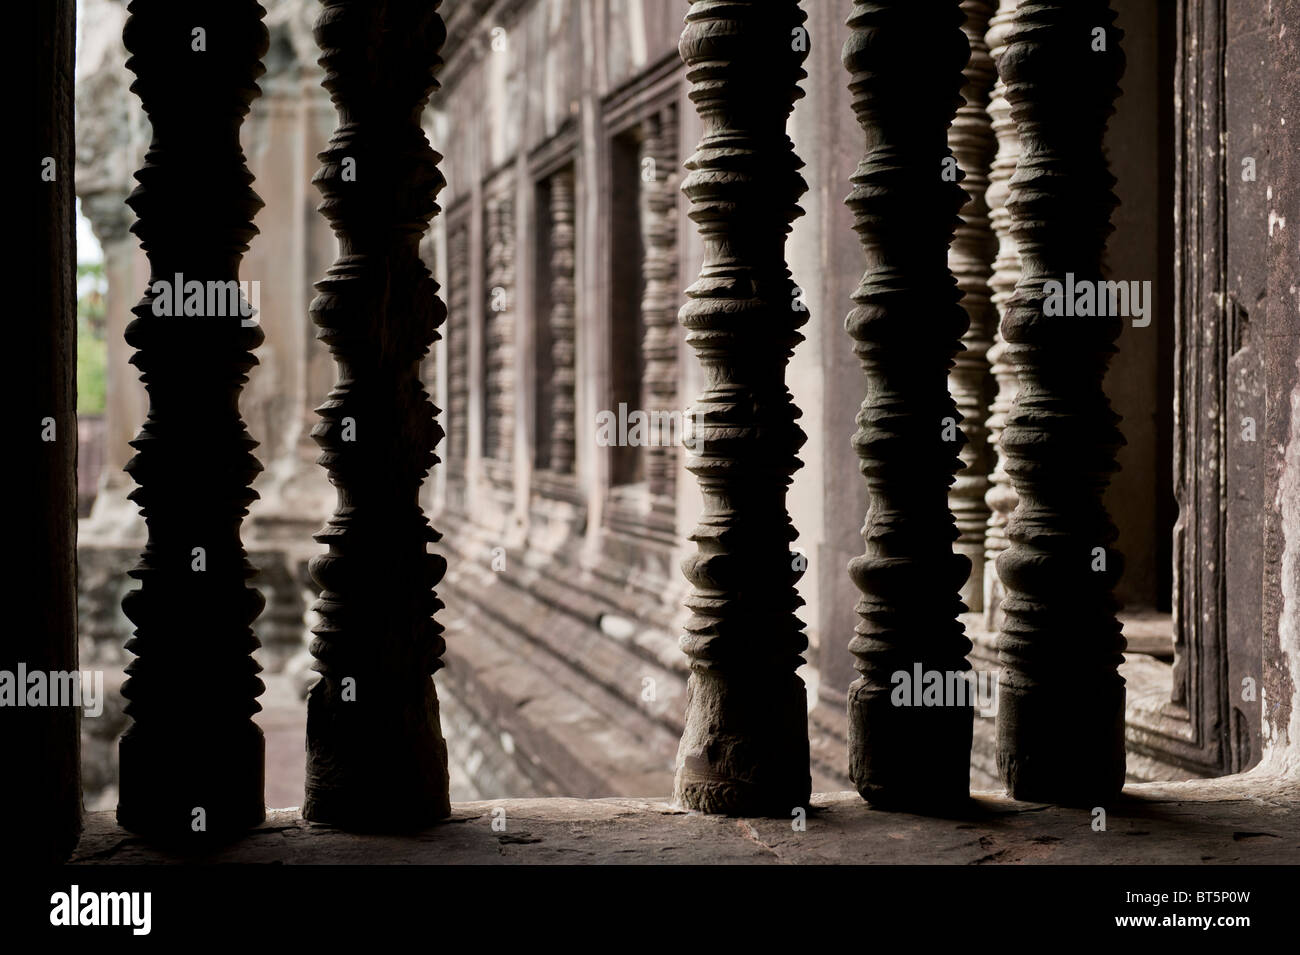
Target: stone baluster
562,318
191,762
1060,723
375,753
906,62
745,745
659,300
1001,496
458,352
498,339
970,258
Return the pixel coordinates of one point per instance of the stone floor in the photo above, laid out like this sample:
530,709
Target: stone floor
1235,820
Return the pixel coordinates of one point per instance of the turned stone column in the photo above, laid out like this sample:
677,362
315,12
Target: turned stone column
561,320
499,342
906,61
659,303
376,759
458,360
1060,723
191,761
1001,496
745,746
970,258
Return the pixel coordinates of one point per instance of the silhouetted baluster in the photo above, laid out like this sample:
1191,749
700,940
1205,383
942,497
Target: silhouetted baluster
659,302
971,258
192,759
1001,496
745,745
563,379
375,753
906,61
1061,699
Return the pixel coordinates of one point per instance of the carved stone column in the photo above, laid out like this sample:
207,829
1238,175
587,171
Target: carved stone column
1001,496
458,358
745,745
906,62
375,753
191,761
1060,721
562,317
971,257
659,301
499,342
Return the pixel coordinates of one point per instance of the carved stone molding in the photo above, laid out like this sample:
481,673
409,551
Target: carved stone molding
745,745
499,340
659,299
562,320
906,65
1001,496
457,336
376,758
970,258
1194,726
189,768
1060,722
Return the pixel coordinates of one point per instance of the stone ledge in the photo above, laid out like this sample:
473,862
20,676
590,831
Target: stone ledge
1235,820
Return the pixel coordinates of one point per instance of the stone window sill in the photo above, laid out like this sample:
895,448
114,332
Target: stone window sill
1246,819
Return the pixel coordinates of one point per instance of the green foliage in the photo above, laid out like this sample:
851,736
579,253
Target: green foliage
92,346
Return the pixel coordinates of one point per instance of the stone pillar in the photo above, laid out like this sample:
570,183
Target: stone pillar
457,454
1001,496
499,343
745,745
659,303
1060,723
970,258
906,62
192,759
376,758
562,322
40,744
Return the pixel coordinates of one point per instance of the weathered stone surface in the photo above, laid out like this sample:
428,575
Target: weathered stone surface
905,64
1061,707
745,744
1237,820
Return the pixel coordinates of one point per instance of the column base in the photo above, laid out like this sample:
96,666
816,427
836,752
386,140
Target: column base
909,758
745,750
1061,746
187,786
381,769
